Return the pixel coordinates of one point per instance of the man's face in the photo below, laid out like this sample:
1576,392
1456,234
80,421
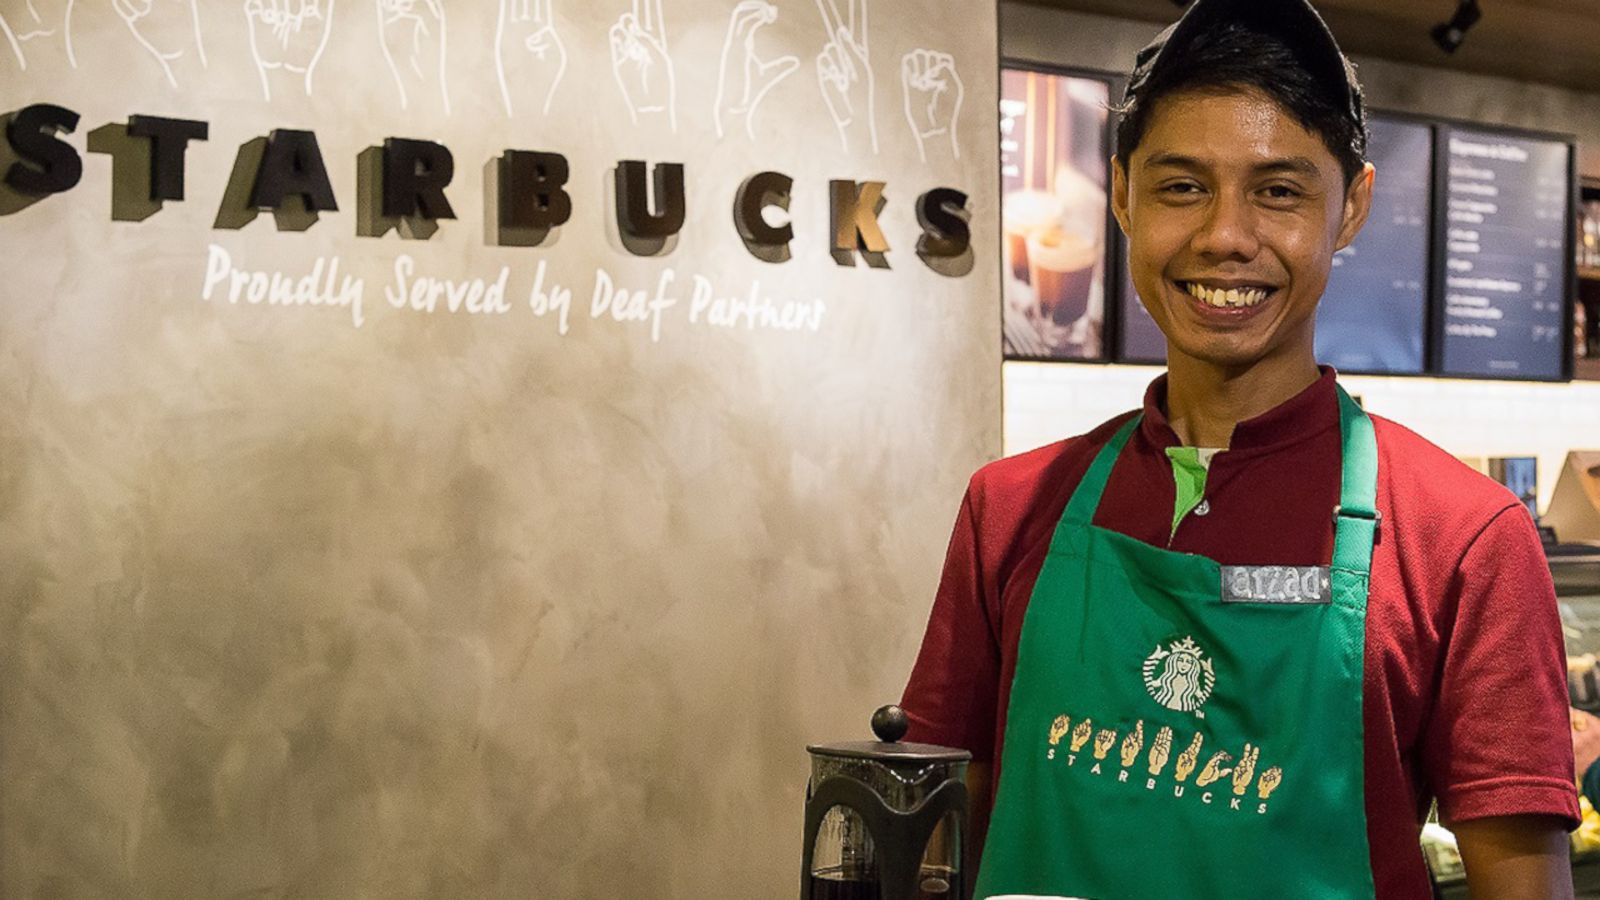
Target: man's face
1234,212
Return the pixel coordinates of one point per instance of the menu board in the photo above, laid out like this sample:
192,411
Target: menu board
1054,148
1374,312
1507,204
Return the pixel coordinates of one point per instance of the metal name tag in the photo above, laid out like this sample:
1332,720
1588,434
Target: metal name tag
1307,585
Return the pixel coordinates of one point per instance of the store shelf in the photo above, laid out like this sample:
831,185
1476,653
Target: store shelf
1589,273
1586,369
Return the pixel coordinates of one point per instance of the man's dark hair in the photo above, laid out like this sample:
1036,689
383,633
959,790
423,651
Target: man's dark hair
1233,57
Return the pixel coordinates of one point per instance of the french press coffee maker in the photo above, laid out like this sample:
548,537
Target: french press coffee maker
885,820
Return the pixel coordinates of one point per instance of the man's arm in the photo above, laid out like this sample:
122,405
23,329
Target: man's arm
1497,747
1516,857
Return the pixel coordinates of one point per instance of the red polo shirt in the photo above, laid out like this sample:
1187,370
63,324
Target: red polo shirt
1465,695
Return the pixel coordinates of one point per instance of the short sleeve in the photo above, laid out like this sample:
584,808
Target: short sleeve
951,695
1498,741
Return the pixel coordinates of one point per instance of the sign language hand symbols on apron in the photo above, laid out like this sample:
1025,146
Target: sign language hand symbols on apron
1214,770
1080,735
1270,779
1160,751
1058,729
1246,770
1189,757
1132,744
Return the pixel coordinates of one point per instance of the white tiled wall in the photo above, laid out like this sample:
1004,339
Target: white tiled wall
1045,402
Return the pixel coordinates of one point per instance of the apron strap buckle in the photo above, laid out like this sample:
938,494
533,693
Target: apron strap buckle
1372,515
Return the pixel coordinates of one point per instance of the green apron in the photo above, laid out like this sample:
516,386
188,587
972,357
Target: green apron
1183,729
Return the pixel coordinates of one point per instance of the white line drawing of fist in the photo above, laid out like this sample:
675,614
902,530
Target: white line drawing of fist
29,26
165,28
745,79
844,72
528,53
933,95
643,67
412,35
288,36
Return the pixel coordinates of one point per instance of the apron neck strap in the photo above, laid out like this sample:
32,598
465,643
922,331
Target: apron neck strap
1086,499
1355,519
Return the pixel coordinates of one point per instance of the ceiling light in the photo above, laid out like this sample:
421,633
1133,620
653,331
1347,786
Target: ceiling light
1449,35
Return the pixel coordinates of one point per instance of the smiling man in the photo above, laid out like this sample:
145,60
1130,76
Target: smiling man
1236,644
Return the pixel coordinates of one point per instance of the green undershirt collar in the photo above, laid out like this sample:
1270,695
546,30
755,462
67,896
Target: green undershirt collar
1190,465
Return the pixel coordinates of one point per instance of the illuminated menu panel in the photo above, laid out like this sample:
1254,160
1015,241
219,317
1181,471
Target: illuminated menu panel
1506,253
1374,312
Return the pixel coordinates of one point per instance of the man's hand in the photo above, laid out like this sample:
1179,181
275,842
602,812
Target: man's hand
1516,858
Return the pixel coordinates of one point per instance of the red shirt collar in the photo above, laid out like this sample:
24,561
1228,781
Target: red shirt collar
1305,415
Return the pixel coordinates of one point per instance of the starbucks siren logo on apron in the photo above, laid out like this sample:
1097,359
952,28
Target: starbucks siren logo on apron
1179,677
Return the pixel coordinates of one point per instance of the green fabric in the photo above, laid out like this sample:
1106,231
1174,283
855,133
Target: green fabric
1135,683
1189,468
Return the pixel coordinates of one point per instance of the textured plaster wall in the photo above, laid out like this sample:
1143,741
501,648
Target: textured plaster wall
455,605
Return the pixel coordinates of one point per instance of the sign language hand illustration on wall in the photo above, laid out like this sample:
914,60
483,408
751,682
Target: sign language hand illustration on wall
528,53
165,28
744,79
30,24
288,36
933,93
412,35
844,71
641,63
